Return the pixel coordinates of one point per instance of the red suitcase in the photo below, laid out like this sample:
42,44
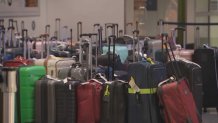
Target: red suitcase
176,98
18,61
88,102
178,102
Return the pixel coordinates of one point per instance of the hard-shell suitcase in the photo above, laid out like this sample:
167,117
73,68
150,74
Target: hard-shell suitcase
53,66
193,73
76,71
89,102
9,89
207,59
114,102
65,102
142,101
27,77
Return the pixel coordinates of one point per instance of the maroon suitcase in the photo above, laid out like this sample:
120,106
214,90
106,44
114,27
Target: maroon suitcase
88,102
178,102
17,62
176,98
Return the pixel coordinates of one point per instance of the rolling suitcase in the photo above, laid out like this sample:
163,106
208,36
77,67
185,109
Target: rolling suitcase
193,73
89,102
142,99
76,71
27,77
114,102
9,90
207,59
65,102
176,99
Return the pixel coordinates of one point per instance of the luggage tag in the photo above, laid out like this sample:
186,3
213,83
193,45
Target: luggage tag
106,97
133,85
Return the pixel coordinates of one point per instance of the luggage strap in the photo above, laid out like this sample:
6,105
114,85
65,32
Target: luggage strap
143,91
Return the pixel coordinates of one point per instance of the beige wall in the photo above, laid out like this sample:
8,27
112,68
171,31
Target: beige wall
72,11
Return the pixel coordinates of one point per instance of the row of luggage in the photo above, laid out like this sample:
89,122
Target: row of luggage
98,100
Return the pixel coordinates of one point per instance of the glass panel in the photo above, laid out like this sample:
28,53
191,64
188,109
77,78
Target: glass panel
201,5
203,30
213,31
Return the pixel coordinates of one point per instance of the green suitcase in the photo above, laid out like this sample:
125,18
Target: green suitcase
27,77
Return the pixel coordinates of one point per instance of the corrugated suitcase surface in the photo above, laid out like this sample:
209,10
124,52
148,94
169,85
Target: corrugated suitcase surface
114,103
143,105
192,72
177,102
26,92
88,102
65,102
207,59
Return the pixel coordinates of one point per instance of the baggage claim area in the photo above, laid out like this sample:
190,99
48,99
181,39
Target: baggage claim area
108,61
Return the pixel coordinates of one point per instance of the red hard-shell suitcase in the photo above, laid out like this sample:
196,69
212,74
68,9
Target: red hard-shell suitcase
178,102
88,102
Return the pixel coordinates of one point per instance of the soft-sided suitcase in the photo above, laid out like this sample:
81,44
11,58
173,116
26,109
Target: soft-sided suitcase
16,62
193,73
207,59
142,102
176,99
9,89
114,102
27,77
177,102
89,102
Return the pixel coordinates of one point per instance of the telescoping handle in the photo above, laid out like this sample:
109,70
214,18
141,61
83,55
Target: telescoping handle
197,37
100,30
57,28
10,24
79,30
135,40
175,67
2,22
24,37
47,29
112,38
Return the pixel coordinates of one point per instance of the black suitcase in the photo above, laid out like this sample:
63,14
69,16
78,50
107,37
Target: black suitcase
143,104
114,102
65,102
207,58
193,73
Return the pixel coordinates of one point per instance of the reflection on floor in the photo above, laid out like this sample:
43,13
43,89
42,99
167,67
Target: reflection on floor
210,117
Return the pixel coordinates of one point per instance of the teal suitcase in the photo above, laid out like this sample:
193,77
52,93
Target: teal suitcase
27,78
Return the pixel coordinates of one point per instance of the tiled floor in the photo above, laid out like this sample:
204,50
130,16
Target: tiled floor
210,117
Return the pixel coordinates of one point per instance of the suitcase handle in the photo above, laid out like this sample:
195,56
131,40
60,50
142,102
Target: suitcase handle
176,66
112,38
79,30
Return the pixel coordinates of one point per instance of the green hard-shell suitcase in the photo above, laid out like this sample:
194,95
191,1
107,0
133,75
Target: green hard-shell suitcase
27,77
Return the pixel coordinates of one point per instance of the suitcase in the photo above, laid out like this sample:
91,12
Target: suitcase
153,46
89,102
184,53
207,59
176,99
76,72
143,104
65,102
193,73
18,61
27,77
114,102
9,90
177,102
1,97
53,66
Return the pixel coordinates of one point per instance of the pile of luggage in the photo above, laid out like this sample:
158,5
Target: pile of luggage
122,79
